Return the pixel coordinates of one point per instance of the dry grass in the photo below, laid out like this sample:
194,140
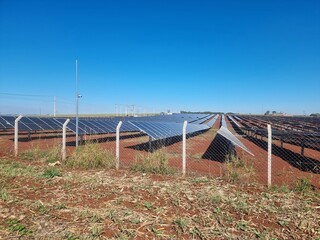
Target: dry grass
91,156
110,204
237,170
155,162
49,155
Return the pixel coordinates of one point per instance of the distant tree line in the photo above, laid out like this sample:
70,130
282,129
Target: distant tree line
270,113
274,113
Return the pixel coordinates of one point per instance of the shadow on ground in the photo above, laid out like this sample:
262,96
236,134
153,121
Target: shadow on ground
219,149
296,160
105,139
157,144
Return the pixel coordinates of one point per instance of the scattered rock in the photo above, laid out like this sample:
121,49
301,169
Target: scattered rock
54,164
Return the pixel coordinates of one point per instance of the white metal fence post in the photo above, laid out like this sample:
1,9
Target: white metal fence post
64,133
118,144
184,147
269,153
16,130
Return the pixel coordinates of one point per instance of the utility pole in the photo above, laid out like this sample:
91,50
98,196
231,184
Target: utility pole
54,106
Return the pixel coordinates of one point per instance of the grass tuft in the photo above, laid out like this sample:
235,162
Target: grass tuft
35,154
15,226
303,185
235,169
91,156
51,173
156,162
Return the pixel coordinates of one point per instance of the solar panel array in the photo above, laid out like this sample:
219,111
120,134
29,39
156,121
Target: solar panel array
157,127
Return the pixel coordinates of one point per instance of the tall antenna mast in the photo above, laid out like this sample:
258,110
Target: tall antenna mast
77,104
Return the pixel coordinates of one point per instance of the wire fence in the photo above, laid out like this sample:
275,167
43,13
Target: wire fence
236,148
294,155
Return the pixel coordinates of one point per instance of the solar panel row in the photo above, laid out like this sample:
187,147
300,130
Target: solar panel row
31,123
177,118
224,131
223,121
161,130
212,121
203,119
95,126
234,121
158,127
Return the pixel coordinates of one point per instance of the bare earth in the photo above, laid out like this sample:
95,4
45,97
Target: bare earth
110,204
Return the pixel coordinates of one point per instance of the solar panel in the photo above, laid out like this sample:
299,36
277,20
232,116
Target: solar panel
92,125
223,121
52,123
161,130
96,126
128,127
29,123
72,126
212,121
7,122
32,123
202,119
228,135
234,121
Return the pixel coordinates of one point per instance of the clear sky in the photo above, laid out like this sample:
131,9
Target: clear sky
238,56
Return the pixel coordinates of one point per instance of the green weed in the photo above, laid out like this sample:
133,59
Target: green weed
4,195
40,207
15,169
181,223
60,206
148,205
96,231
51,173
15,226
279,188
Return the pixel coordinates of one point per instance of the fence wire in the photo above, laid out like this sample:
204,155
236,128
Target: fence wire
234,147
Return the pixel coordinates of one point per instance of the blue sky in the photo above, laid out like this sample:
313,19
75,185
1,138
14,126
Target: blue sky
238,56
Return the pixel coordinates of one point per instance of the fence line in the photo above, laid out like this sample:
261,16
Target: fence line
241,149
